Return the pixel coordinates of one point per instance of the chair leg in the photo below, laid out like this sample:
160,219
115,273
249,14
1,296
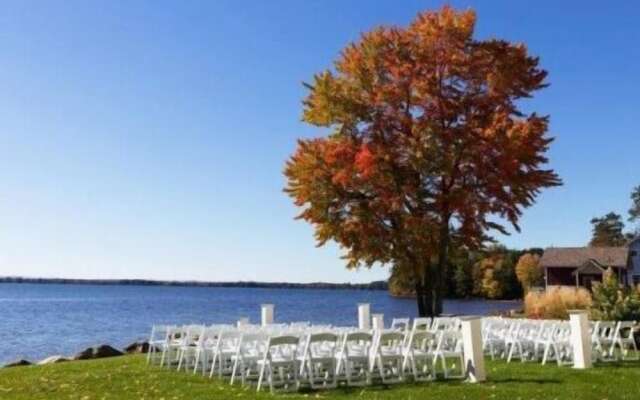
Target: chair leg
181,352
233,372
196,362
164,352
260,377
546,354
444,367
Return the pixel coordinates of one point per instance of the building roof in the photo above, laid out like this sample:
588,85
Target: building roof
573,257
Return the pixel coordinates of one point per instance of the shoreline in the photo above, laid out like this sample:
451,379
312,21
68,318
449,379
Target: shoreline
375,285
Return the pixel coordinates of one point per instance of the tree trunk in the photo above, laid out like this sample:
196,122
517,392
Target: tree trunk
439,273
420,298
427,283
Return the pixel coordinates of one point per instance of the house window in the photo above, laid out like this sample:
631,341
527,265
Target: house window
634,253
636,280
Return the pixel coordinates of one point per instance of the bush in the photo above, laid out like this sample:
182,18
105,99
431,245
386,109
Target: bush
613,302
555,302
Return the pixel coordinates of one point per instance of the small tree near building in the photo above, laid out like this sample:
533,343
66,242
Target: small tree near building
614,302
528,271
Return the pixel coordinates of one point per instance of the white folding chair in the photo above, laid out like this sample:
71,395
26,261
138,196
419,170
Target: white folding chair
189,347
419,355
171,346
388,357
602,338
250,350
280,364
449,347
354,358
319,360
624,340
223,352
157,340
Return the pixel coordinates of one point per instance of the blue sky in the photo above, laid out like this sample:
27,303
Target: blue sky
147,139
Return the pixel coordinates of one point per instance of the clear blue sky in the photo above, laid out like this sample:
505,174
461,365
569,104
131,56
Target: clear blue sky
147,140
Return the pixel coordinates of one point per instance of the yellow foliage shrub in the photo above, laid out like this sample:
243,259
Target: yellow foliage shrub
555,302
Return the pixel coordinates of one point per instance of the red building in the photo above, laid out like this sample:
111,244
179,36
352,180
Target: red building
581,266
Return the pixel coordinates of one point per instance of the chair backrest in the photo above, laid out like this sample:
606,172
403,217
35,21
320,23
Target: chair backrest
624,330
284,347
358,337
322,344
160,332
357,343
252,343
390,338
421,340
421,324
445,323
606,330
228,339
193,334
323,337
390,342
449,341
283,340
401,324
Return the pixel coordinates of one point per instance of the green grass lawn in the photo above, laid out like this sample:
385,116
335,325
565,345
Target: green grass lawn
130,378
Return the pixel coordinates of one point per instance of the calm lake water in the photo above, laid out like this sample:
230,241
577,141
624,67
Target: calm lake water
38,320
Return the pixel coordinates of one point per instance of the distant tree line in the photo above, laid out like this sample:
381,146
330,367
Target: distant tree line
493,273
377,285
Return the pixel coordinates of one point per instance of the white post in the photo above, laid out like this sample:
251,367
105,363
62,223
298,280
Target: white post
378,321
363,316
242,322
473,353
580,338
267,314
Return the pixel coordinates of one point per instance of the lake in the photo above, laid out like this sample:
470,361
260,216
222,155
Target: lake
38,320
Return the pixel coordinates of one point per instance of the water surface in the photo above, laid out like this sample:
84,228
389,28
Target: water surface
38,320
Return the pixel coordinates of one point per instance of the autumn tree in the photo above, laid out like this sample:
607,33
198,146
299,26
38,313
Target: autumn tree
528,271
608,231
427,146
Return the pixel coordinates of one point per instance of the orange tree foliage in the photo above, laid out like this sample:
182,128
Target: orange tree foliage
427,146
528,270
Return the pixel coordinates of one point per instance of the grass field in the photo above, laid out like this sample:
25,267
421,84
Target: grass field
130,378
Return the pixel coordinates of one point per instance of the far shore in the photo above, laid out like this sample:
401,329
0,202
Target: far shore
376,285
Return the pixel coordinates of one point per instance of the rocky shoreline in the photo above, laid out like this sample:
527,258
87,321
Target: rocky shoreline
90,353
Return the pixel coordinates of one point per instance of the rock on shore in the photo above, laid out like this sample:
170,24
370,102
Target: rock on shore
17,363
53,360
101,351
137,348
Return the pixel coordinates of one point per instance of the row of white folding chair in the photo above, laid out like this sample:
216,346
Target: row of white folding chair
549,340
166,341
425,323
528,340
609,336
361,357
218,347
356,358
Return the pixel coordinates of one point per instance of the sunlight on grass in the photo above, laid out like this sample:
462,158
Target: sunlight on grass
129,378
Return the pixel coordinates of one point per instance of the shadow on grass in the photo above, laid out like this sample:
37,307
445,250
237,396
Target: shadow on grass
526,380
